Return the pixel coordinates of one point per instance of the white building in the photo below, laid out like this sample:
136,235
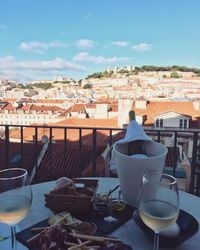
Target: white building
172,119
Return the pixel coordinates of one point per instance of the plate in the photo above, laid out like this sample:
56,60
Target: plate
189,226
105,223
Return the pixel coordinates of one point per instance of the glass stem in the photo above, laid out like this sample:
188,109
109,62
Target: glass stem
13,238
156,241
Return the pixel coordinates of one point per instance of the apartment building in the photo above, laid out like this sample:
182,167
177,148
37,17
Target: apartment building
19,114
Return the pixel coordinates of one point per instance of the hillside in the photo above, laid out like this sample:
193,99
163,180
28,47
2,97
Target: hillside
174,71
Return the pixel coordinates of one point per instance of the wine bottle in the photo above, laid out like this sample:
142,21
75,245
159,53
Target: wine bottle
136,147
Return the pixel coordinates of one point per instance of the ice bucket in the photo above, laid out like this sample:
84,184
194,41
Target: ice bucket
130,169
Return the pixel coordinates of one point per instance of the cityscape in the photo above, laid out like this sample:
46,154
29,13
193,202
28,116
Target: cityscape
63,74
162,97
99,124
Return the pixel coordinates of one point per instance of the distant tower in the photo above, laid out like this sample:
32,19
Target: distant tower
115,70
108,70
129,68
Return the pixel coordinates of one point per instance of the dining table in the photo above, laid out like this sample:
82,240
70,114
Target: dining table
130,233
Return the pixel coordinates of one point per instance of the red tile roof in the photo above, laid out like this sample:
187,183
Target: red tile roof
50,101
77,108
29,156
58,134
45,108
25,107
114,107
67,161
8,107
155,108
9,100
89,122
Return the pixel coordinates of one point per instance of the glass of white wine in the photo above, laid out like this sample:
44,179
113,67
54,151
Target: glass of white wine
15,198
159,203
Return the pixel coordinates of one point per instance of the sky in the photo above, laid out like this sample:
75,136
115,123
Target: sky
44,39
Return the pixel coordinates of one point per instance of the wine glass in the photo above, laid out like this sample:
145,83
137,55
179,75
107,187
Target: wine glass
159,203
15,198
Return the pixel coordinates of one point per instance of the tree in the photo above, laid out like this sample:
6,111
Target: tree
174,74
87,86
79,82
21,86
42,85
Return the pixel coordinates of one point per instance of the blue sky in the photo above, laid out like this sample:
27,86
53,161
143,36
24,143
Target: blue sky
42,39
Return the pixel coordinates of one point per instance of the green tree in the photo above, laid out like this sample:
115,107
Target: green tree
21,86
42,85
174,74
79,82
87,86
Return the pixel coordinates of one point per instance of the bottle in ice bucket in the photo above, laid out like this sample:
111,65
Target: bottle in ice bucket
136,147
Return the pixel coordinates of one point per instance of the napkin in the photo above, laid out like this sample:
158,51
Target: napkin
134,132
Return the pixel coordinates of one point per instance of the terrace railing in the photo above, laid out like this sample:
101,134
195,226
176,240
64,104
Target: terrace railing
157,133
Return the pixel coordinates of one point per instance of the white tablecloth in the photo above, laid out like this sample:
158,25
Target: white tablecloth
130,233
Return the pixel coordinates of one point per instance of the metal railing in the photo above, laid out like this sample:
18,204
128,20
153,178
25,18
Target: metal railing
155,132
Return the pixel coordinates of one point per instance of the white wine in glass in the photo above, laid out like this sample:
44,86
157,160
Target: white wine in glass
159,203
15,198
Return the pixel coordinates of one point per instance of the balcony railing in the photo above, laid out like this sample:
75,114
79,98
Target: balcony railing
189,135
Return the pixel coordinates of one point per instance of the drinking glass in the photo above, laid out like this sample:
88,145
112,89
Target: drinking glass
159,203
15,198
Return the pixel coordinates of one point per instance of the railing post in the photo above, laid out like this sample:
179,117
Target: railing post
80,149
7,145
36,159
193,166
174,153
50,153
22,147
158,136
94,153
65,150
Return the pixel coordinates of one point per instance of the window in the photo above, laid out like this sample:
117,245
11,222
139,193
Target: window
185,123
157,122
161,122
180,123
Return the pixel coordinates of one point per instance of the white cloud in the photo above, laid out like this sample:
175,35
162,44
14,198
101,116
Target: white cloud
30,69
58,44
86,57
34,47
86,44
40,47
3,26
121,44
142,47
